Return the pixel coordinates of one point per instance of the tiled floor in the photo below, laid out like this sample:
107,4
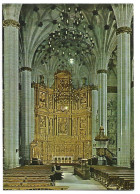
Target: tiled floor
75,182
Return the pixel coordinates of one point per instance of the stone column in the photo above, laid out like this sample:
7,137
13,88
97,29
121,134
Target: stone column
123,13
26,113
132,123
11,84
102,98
132,114
94,115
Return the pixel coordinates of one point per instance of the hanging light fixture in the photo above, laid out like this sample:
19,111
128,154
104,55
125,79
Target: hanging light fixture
71,34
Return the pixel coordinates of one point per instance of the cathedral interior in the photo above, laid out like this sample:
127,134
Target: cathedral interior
68,94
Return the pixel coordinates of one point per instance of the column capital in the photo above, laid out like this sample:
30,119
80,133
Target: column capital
11,22
124,29
123,14
25,69
101,71
11,11
102,60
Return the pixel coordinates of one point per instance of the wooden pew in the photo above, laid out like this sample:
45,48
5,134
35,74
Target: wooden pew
37,188
16,179
35,177
28,184
124,183
110,177
28,177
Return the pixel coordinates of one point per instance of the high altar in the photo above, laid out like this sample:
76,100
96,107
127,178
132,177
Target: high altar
62,121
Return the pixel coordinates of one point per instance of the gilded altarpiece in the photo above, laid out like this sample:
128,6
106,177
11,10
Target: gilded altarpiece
62,121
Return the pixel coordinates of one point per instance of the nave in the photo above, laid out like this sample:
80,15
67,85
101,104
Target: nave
68,96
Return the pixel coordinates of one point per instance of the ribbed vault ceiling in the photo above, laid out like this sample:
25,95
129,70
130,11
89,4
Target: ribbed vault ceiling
66,36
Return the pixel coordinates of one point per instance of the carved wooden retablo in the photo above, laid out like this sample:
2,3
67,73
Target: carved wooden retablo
62,121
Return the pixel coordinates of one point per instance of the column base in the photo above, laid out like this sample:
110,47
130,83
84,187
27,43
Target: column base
17,165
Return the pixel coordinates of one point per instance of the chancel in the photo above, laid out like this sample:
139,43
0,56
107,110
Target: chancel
68,88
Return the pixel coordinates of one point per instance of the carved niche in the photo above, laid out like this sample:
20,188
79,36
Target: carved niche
42,99
42,121
63,126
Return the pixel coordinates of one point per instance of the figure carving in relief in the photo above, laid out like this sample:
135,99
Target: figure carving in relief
83,123
50,101
63,83
42,96
42,121
62,125
66,83
60,84
42,99
82,132
83,98
42,136
50,125
74,132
